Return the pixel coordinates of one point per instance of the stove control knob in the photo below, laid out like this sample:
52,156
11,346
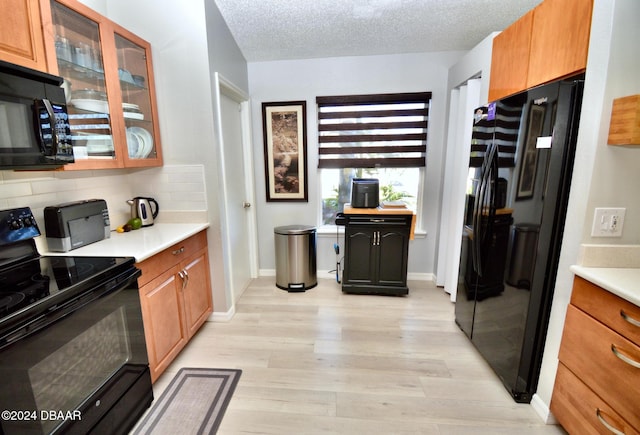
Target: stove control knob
15,224
28,221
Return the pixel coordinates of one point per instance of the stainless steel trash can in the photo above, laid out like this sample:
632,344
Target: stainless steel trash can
295,257
524,242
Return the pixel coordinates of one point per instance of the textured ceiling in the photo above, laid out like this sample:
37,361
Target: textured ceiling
300,29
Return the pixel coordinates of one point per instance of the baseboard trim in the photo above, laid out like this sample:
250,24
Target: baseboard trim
267,272
412,276
220,316
543,411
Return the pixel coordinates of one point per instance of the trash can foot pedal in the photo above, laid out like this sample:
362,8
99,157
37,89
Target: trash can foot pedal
296,287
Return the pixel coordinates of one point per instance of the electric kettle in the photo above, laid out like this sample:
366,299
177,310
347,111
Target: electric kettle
141,208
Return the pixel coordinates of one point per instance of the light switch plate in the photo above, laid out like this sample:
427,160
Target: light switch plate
608,222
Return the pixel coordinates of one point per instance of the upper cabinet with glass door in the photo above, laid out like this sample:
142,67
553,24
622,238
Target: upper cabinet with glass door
135,76
109,85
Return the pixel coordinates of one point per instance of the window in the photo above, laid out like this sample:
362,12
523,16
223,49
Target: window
380,136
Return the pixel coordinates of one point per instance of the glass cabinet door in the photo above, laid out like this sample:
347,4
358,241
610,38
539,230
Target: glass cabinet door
80,62
137,108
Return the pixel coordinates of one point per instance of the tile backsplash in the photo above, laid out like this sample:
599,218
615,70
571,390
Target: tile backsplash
177,188
627,256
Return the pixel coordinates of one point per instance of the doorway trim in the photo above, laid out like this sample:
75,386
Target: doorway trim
225,87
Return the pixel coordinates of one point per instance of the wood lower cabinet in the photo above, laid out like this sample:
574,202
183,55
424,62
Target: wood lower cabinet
597,386
175,293
582,411
197,301
164,320
376,254
21,35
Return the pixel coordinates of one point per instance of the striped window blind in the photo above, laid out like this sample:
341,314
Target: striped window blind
373,131
503,131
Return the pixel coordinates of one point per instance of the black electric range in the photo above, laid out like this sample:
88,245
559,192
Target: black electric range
72,342
30,284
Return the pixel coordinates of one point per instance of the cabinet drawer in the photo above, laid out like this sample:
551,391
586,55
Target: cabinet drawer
620,315
170,257
580,410
379,220
595,354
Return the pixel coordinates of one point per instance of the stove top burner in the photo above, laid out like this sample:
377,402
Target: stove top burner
35,279
9,301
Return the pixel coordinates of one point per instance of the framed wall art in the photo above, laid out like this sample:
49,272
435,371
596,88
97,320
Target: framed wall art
529,158
285,150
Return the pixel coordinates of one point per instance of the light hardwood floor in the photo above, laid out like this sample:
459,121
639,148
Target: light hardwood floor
327,362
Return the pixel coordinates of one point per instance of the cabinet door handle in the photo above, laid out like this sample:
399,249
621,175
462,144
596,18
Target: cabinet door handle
186,280
181,275
624,358
629,319
184,276
607,424
178,251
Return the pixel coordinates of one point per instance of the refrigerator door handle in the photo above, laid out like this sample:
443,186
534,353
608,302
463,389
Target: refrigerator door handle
475,227
493,184
476,221
484,189
489,179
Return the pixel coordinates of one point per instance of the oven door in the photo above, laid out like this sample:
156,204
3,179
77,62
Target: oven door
81,367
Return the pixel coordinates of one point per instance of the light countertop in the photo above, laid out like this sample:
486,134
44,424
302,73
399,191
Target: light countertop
140,244
621,281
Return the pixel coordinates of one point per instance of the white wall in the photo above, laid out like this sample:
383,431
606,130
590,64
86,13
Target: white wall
474,64
603,175
190,42
306,79
225,57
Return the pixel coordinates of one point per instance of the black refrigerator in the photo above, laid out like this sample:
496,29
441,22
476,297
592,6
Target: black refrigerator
520,169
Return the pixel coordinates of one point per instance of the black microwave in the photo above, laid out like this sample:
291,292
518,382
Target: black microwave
34,123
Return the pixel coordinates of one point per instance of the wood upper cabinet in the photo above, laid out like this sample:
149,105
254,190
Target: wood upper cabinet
559,40
598,381
548,43
21,38
510,59
110,89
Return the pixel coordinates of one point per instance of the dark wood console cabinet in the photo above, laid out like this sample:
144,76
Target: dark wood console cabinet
376,254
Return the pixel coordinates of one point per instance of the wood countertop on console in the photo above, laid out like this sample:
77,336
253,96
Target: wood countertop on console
380,210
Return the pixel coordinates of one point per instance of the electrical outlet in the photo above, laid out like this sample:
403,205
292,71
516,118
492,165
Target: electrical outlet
608,222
